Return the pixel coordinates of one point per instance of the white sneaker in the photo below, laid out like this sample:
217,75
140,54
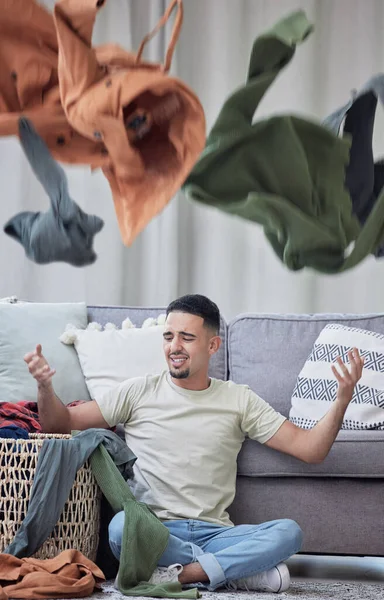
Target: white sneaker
275,580
166,574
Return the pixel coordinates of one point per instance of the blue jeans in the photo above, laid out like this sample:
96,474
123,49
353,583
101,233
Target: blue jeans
224,553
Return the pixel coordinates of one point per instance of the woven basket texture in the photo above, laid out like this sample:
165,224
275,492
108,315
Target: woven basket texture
78,525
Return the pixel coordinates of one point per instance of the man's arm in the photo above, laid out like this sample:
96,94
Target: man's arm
313,445
54,416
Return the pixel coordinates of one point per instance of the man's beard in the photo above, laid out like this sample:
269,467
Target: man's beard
179,374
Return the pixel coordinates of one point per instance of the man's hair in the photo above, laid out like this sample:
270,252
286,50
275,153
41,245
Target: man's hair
201,306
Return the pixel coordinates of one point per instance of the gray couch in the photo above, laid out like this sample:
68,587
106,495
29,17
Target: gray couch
337,503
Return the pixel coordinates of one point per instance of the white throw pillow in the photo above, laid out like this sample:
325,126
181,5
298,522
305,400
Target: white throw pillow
316,386
109,356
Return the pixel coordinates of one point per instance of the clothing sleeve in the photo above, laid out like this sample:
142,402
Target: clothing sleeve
78,67
50,174
116,406
81,79
271,52
260,421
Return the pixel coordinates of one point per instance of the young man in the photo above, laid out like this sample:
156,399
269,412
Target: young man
186,430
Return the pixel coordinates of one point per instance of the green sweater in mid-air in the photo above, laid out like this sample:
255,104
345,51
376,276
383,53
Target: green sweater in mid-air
286,173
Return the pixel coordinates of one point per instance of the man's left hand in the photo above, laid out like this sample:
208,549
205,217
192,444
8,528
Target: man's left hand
348,378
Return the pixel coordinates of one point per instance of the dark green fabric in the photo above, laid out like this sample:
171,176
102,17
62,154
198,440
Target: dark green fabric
144,536
285,172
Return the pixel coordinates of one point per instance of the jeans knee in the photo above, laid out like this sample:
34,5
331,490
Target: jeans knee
115,533
293,532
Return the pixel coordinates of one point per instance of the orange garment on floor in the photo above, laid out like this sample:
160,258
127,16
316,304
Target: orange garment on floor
78,99
68,575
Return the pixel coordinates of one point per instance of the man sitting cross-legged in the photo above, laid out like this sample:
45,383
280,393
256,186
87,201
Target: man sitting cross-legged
186,430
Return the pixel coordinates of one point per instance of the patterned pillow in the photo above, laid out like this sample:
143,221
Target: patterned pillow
316,386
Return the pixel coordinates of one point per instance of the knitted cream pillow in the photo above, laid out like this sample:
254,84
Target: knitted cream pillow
316,386
110,355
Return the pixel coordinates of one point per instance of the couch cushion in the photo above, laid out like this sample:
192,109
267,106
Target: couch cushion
117,314
353,454
22,326
108,356
268,351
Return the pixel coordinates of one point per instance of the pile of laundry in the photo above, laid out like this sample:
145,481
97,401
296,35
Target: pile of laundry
18,419
70,574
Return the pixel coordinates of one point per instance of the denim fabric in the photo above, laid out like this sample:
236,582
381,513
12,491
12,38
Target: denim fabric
225,553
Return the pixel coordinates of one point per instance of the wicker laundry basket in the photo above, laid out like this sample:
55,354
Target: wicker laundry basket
78,525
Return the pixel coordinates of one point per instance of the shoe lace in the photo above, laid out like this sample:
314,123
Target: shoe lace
232,585
164,574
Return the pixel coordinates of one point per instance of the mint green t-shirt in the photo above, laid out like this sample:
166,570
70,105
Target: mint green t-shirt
187,442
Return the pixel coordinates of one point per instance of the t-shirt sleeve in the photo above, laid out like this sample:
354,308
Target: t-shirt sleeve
116,405
260,421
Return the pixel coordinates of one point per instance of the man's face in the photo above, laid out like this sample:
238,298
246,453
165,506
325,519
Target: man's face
188,345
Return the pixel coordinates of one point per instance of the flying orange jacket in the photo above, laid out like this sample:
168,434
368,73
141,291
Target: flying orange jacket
80,100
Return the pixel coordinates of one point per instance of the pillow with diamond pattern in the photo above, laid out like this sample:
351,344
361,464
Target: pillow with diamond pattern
316,386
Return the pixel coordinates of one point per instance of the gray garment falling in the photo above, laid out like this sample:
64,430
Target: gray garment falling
57,465
64,233
364,178
374,85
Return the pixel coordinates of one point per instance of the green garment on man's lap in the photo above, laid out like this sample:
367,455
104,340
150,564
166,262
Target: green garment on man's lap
144,535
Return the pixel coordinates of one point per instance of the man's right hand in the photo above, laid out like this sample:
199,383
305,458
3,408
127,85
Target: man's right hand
39,367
